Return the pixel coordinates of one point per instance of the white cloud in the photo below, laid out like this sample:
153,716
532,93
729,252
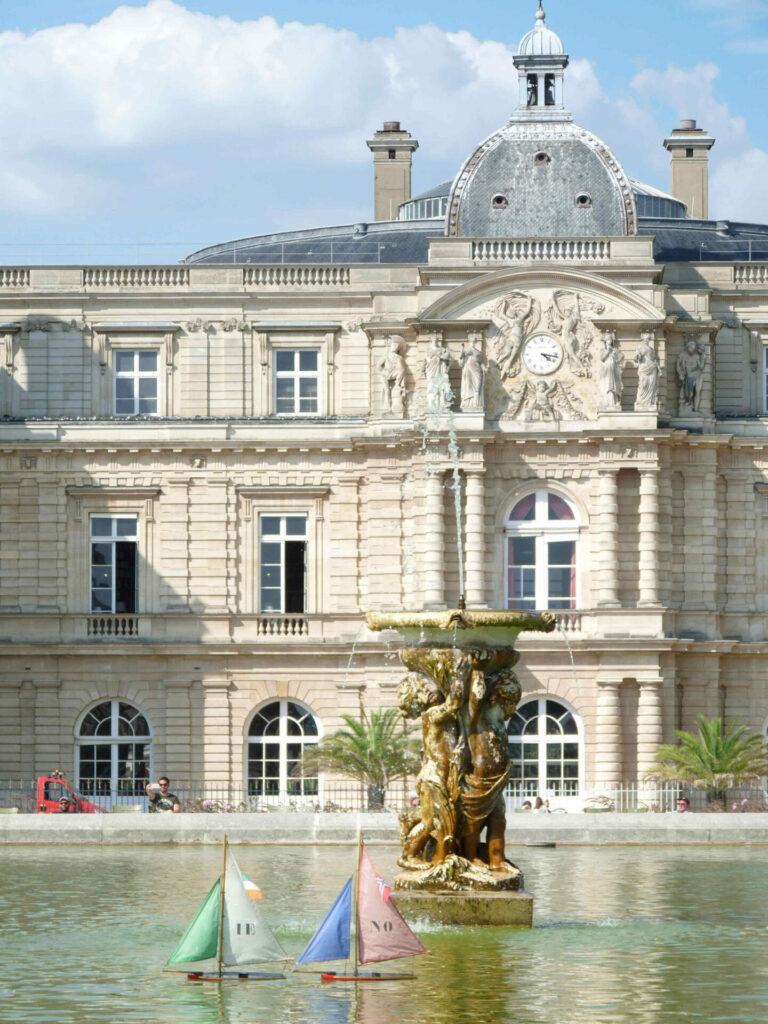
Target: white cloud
198,124
738,187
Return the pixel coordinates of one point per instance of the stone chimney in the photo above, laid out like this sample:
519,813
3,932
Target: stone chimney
392,150
689,147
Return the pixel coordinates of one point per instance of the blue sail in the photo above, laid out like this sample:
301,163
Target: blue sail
331,940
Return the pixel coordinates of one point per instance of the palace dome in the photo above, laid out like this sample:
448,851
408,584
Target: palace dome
540,41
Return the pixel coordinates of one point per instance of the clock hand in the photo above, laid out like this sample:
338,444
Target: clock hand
552,359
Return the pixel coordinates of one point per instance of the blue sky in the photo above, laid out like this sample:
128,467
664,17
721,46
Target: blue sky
195,121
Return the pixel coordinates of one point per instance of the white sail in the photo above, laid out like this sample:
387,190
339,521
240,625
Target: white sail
247,937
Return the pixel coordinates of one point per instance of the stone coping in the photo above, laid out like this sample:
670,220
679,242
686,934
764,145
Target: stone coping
278,828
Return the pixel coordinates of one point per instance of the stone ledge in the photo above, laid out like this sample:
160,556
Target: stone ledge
467,908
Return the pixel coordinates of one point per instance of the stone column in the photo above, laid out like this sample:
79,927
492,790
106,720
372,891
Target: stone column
649,725
607,555
649,538
700,531
434,548
474,566
608,766
216,734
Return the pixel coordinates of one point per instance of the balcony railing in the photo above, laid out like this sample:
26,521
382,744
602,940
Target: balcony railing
118,626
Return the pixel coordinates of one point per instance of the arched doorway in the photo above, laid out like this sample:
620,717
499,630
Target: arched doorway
113,754
546,751
278,735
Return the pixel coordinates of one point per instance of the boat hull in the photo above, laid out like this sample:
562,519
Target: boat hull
372,976
235,976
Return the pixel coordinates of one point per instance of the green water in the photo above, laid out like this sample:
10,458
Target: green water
620,935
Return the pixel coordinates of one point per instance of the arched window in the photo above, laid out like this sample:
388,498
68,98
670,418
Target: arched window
545,750
113,753
277,737
541,535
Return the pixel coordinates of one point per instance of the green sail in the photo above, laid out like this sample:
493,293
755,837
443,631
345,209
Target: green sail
201,940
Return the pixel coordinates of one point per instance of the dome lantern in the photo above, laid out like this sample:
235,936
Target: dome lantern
540,63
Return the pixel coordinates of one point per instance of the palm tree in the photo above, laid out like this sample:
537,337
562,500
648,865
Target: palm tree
371,749
717,759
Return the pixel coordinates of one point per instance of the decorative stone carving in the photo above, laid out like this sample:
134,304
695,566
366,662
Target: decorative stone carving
544,401
648,371
234,325
514,317
566,315
609,372
472,374
690,367
392,378
435,369
39,323
199,325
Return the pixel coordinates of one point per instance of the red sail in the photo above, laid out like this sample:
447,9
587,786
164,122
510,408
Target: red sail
382,933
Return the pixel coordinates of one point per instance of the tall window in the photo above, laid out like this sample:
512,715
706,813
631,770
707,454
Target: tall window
277,738
114,753
282,563
114,563
297,382
136,383
544,748
541,553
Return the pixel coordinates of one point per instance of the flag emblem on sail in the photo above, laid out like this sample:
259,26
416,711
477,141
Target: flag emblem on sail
382,933
253,890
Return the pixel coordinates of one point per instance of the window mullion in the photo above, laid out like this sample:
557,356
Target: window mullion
542,567
541,727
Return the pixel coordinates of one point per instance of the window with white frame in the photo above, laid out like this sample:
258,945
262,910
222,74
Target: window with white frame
297,381
541,538
277,738
282,563
765,378
113,753
136,382
114,563
544,749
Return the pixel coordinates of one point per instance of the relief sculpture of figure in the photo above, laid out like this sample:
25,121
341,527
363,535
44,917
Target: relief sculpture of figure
435,368
472,377
493,699
690,366
609,377
438,782
392,377
509,316
648,371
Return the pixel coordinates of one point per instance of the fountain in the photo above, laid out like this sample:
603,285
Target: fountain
463,687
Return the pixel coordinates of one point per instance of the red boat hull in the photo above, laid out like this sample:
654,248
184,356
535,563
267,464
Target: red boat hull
332,976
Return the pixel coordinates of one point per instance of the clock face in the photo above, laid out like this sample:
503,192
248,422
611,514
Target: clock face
542,354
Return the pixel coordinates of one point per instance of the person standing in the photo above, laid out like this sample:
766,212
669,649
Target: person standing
160,797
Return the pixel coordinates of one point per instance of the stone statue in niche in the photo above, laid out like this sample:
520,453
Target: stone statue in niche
533,90
436,368
392,378
543,401
566,314
690,366
472,375
648,371
513,317
609,372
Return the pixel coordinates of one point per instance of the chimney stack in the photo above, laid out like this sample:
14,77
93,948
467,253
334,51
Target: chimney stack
689,147
392,151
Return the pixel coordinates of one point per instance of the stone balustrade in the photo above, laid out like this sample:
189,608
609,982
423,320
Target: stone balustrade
534,250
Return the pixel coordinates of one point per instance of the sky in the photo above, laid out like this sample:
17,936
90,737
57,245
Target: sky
172,124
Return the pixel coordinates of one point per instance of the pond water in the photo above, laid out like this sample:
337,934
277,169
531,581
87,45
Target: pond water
641,935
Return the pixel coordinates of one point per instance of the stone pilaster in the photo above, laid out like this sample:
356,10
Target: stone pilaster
649,538
475,540
700,532
649,725
178,729
434,548
217,760
739,529
607,554
608,767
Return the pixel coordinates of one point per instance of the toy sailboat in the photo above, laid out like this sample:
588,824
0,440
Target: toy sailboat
381,932
230,927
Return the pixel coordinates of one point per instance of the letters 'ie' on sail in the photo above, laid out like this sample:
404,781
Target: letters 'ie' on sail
382,933
331,940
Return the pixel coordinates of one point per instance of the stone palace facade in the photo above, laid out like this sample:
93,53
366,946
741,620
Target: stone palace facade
543,384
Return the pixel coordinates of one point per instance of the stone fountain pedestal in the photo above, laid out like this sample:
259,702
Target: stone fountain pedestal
462,687
468,909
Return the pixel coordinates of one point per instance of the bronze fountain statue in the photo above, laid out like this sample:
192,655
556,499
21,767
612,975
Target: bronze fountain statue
463,687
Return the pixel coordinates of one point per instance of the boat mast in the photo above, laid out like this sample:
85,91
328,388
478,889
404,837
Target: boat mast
356,895
221,903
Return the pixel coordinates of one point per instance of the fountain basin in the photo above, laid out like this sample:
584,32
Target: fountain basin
468,909
457,628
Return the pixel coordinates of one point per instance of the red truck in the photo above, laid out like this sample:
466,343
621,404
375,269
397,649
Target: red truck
49,789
